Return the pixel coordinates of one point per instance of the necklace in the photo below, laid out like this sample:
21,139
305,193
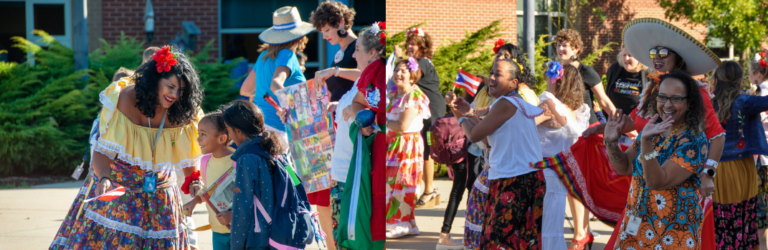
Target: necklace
512,93
339,56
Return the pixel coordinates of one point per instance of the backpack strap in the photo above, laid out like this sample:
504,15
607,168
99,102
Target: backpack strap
204,165
257,207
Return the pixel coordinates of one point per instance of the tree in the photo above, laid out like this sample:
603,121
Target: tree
741,23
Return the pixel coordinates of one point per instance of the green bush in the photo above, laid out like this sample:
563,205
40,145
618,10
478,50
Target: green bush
46,110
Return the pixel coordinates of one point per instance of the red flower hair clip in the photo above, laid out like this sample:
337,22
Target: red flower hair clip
380,26
763,64
164,59
498,45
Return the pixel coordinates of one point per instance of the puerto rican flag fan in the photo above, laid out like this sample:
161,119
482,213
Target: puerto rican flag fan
467,81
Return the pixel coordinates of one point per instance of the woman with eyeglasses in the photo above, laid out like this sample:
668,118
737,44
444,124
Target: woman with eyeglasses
737,183
676,51
666,163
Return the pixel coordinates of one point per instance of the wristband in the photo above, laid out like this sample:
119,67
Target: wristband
337,72
611,144
188,180
651,155
462,119
712,163
105,177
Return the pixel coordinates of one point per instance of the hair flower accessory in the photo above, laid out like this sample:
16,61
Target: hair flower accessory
375,28
413,65
498,45
554,72
760,57
164,59
416,31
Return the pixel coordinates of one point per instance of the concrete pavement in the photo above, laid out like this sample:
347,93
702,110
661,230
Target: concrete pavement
30,218
430,222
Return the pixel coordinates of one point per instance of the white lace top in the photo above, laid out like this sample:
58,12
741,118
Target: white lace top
554,141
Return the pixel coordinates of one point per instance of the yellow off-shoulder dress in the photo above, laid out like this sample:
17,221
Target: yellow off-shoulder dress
137,219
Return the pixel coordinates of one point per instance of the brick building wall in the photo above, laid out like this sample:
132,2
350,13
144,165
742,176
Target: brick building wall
449,19
127,16
595,33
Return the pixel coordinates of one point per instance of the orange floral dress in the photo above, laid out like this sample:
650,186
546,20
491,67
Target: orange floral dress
405,158
671,218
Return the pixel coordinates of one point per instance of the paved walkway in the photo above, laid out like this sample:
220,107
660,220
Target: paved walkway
30,218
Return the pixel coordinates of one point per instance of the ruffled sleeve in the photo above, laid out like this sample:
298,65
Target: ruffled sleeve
416,99
121,139
713,128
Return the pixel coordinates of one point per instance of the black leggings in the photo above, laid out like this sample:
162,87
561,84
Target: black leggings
464,175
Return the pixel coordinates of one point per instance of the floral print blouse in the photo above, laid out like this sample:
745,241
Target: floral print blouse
671,218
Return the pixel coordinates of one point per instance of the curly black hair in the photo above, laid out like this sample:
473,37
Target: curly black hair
526,75
185,108
694,116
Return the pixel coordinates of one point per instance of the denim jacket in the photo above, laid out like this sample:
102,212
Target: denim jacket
251,178
744,134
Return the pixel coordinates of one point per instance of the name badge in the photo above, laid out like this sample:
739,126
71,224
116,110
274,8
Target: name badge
150,182
78,171
633,226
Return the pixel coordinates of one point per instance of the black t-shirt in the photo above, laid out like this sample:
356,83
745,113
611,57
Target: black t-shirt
430,85
591,79
339,86
624,88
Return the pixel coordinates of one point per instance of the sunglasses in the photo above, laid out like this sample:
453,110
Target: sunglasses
661,53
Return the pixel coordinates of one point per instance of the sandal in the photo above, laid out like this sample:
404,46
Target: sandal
432,201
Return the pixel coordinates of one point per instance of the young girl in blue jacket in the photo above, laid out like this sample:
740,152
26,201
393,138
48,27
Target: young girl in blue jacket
245,125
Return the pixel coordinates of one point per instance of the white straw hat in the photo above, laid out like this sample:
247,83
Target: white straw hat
641,35
286,26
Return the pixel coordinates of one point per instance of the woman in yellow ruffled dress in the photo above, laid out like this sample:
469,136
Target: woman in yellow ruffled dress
147,130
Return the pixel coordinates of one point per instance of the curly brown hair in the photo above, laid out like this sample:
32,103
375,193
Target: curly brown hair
415,76
331,13
570,88
696,111
424,43
572,37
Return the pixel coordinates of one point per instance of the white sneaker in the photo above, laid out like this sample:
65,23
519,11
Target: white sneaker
397,232
413,231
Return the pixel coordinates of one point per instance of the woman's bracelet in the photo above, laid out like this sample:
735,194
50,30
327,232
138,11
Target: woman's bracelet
611,144
105,177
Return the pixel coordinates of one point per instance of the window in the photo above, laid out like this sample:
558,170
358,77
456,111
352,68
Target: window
549,18
242,21
20,18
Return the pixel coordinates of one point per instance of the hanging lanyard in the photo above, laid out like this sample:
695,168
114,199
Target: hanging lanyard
150,177
512,93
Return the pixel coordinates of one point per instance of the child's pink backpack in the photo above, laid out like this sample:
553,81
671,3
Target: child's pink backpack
204,165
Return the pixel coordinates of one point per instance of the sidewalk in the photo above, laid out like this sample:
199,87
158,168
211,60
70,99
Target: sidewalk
31,217
430,222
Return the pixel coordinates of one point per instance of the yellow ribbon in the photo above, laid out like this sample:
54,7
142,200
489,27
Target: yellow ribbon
519,65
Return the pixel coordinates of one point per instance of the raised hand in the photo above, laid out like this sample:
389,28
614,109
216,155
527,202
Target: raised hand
653,128
612,131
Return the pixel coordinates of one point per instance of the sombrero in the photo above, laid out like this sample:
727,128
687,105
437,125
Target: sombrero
286,26
641,35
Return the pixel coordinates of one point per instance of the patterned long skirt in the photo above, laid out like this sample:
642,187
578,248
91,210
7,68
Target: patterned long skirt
513,212
337,191
404,169
75,213
762,195
475,214
735,204
136,220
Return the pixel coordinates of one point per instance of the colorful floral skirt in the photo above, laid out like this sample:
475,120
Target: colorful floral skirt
762,195
736,204
405,153
337,191
475,214
137,219
89,187
513,212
